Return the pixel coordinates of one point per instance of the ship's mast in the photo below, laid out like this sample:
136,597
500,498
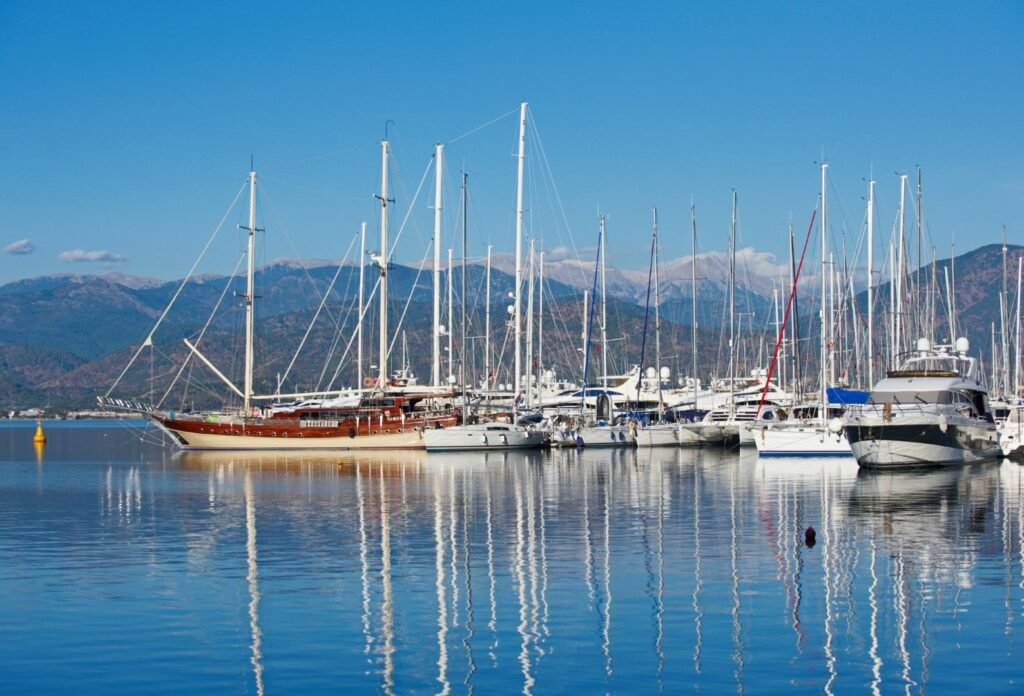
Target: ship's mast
451,319
382,377
435,364
1016,341
462,340
795,324
732,311
657,315
540,332
604,312
250,297
693,299
823,374
871,299
899,266
487,325
517,313
529,329
359,325
1004,323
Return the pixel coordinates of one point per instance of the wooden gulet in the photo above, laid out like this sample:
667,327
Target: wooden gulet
381,420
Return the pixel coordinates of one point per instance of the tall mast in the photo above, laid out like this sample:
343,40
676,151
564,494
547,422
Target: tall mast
795,331
918,310
732,310
451,319
831,319
952,296
1016,342
1004,325
462,339
823,375
382,376
585,335
517,313
778,328
693,299
249,293
657,316
359,325
899,266
540,332
892,299
529,331
487,324
604,311
435,362
871,299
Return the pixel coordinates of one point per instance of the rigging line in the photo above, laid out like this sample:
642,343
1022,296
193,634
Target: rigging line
480,128
408,211
149,338
400,185
338,321
329,193
348,346
647,312
209,320
409,300
291,243
558,197
316,315
785,320
589,328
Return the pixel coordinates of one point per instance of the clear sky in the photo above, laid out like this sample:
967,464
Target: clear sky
127,127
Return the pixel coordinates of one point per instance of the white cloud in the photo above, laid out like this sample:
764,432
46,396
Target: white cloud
19,248
80,255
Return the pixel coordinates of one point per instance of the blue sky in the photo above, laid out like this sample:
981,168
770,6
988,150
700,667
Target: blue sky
128,127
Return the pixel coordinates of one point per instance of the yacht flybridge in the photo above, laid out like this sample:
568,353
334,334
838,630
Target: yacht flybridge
932,409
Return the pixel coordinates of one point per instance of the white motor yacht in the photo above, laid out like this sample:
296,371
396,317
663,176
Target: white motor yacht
932,409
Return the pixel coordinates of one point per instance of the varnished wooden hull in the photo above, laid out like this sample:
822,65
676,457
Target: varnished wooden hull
196,434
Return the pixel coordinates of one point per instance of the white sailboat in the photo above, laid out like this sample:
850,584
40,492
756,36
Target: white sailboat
657,434
607,431
485,435
817,435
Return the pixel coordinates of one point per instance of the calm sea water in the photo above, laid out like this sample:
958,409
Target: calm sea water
127,569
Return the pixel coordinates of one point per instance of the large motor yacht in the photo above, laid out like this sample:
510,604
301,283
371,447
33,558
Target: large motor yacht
931,410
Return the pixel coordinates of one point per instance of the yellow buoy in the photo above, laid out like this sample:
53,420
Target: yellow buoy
40,436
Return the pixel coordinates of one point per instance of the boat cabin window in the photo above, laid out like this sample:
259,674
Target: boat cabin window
910,397
937,364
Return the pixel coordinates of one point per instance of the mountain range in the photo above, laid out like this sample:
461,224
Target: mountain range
66,338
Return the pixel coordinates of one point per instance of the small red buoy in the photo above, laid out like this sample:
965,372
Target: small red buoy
810,537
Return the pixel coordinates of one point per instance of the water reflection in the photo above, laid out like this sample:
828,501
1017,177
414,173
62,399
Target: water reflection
589,571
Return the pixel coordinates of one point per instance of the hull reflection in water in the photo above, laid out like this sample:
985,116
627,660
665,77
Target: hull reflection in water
618,570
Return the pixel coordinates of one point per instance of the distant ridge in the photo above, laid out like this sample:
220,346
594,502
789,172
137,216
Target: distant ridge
64,337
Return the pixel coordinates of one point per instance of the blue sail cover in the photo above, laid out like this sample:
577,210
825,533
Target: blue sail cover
838,395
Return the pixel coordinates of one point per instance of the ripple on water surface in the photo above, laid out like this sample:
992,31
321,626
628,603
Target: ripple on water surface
126,569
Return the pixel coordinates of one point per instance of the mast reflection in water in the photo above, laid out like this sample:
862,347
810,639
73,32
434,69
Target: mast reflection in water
606,570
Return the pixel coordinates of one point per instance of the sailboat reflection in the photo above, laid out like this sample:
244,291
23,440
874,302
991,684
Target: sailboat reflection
252,578
493,570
